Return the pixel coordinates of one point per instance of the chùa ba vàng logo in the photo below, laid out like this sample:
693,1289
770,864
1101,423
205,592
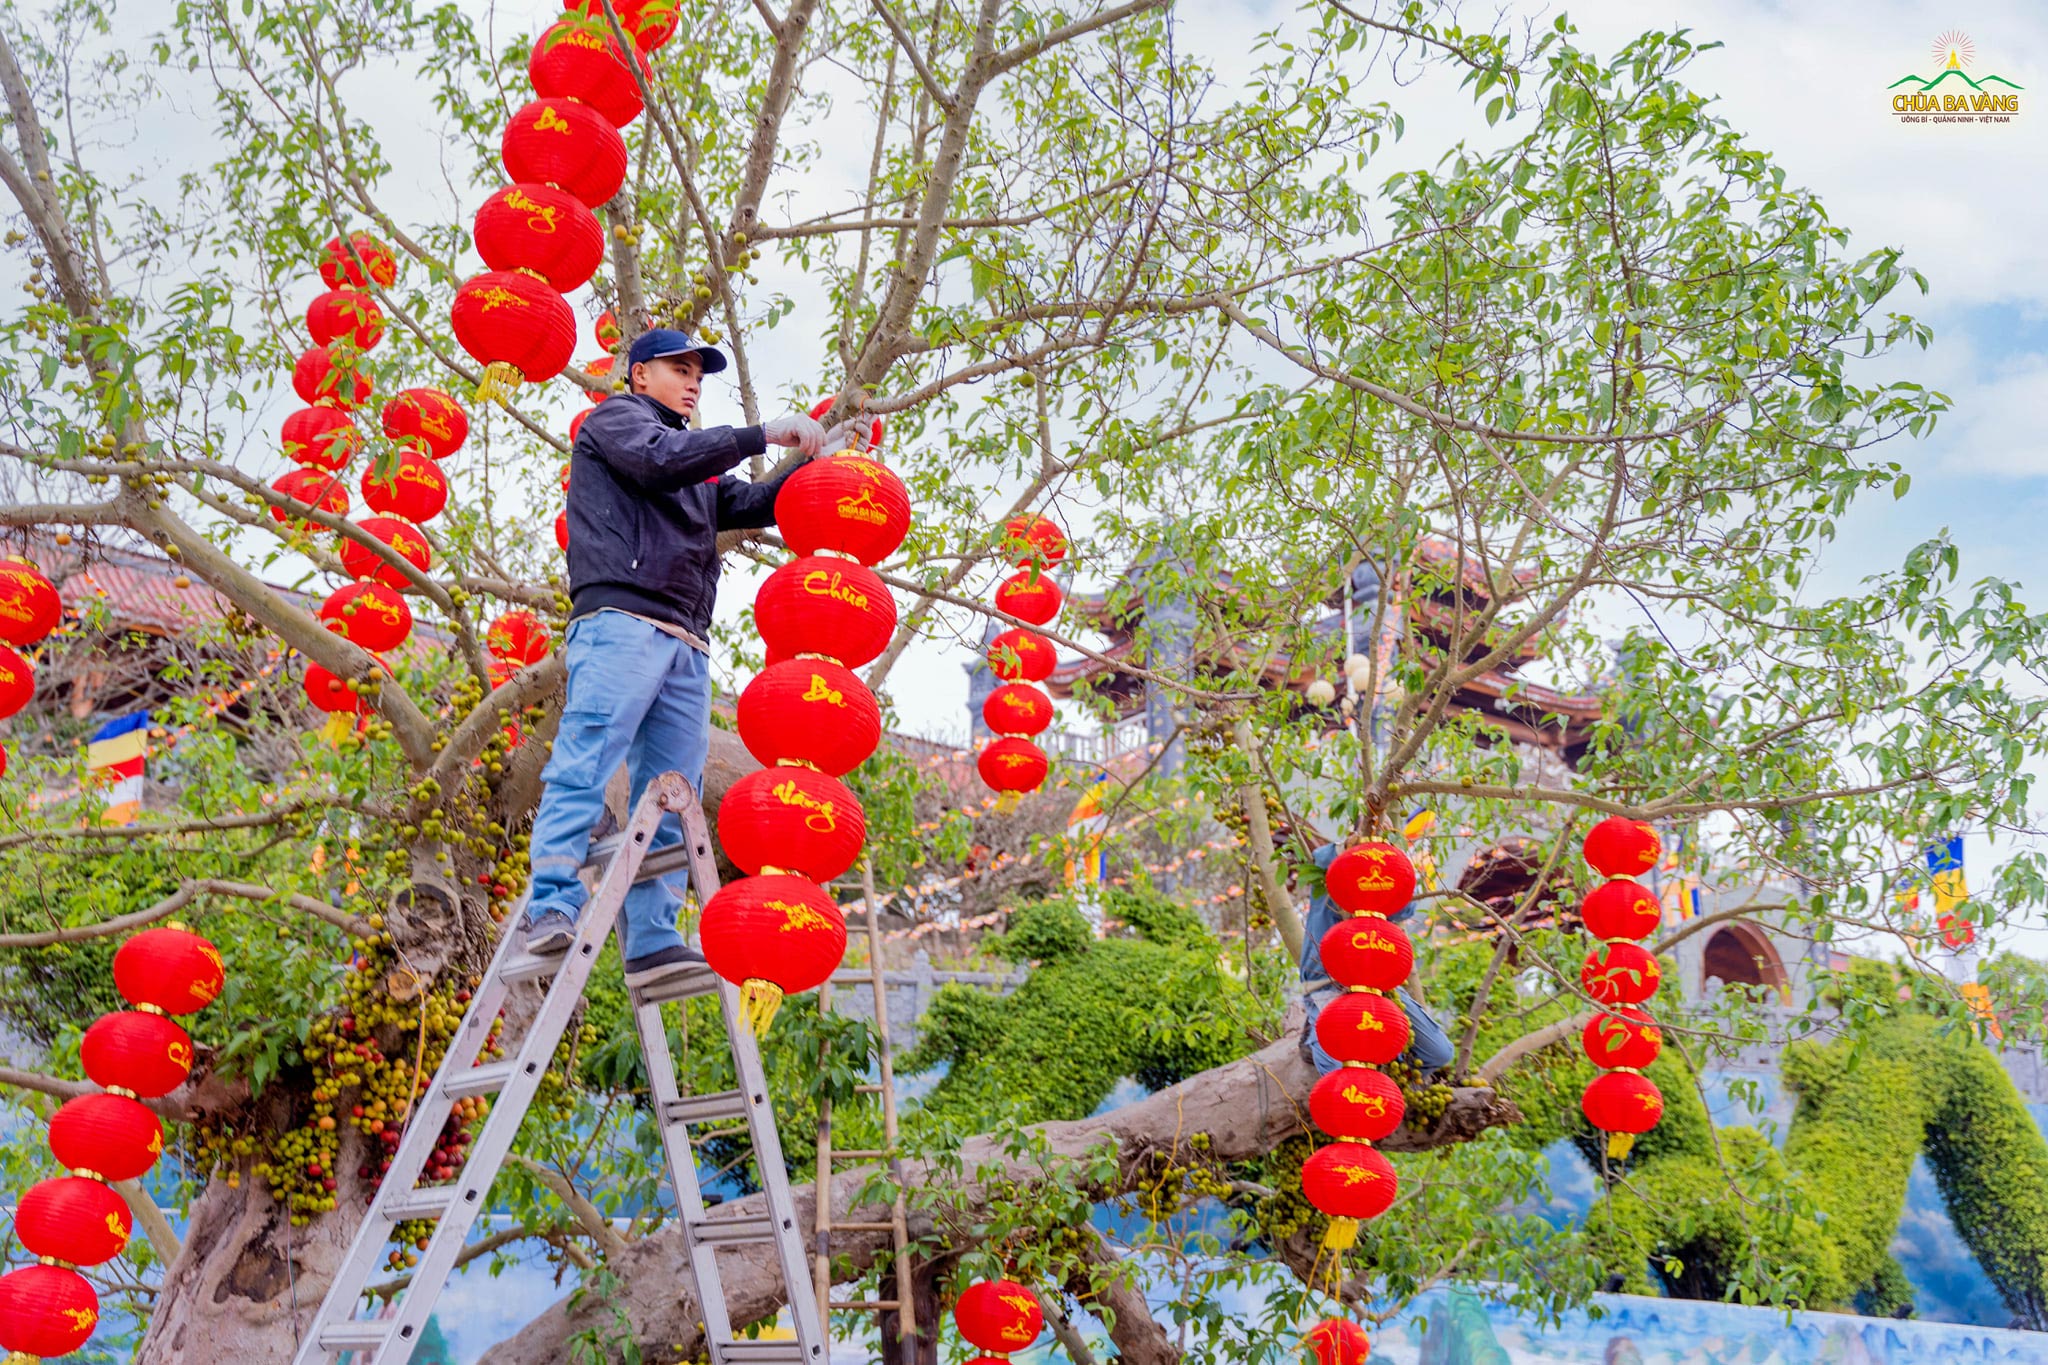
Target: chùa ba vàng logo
1952,94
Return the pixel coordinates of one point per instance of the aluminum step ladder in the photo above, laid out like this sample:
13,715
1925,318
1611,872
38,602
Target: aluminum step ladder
620,861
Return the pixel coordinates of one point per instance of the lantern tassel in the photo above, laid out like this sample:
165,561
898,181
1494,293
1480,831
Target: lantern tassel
499,379
1008,802
336,729
21,1358
759,1000
1343,1234
1619,1145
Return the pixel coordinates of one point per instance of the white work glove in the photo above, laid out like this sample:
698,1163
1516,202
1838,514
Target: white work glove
851,434
797,430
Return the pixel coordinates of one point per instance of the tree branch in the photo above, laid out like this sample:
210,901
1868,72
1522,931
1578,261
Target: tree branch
908,46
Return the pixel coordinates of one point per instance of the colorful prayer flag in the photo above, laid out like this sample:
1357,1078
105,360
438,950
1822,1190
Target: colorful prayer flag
114,757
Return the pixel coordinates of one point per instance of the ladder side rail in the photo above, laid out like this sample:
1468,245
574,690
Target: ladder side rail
682,1168
508,1110
753,1085
899,1213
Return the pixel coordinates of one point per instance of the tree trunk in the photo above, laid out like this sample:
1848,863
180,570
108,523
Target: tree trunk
1244,1109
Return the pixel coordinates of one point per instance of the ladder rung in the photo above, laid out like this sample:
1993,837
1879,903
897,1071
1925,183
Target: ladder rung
487,1079
682,986
731,1231
866,1306
725,1104
530,966
783,1352
427,1203
354,1336
862,1227
852,978
868,1088
860,1153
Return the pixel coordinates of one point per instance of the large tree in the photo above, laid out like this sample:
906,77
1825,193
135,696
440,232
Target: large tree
1606,354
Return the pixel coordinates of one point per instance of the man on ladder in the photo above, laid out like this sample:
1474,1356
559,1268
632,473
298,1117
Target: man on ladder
647,499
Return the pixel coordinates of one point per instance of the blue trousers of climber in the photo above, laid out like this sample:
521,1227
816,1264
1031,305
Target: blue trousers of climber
1429,1049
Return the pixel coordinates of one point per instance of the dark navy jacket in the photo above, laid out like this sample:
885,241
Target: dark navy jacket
647,499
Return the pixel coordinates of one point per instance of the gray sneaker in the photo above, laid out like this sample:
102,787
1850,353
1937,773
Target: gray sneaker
661,964
549,932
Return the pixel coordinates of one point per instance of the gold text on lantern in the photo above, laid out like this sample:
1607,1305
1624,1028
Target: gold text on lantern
1370,941
540,217
1358,1175
496,297
1375,1105
822,820
820,691
862,507
819,583
550,121
797,915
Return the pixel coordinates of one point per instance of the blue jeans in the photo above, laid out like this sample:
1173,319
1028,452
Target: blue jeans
1428,1049
642,697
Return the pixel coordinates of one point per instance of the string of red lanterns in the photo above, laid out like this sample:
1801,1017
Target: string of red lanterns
49,1309
29,610
1620,974
1348,1180
1013,764
539,236
809,720
608,334
998,1317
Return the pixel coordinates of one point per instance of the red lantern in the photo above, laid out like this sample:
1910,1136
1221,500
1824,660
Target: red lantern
999,1315
313,487
1358,1103
1620,974
1371,879
321,438
513,325
562,529
1620,909
1621,848
575,425
3,761
1623,1105
793,820
848,504
810,711
17,682
568,145
1017,709
169,968
536,227
46,1310
649,23
359,561
819,605
1348,1182
346,313
416,489
1359,1026
323,379
343,265
606,330
772,936
1019,655
1366,950
368,614
329,693
518,637
1334,1341
570,62
1034,540
29,606
1029,597
427,420
134,1050
110,1135
73,1219
1626,1038
598,369
1013,766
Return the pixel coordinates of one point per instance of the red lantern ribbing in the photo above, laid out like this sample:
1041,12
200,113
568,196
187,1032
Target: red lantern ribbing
543,231
809,720
414,488
849,505
1618,973
17,682
347,314
566,144
359,561
570,61
427,420
1364,1028
331,377
1333,1341
78,1219
313,487
998,1316
343,266
1012,765
29,606
321,438
368,614
516,326
518,637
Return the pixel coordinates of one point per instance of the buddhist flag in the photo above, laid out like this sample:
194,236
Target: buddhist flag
1945,878
114,759
1086,824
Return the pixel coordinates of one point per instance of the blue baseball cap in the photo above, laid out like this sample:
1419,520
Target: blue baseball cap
666,341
